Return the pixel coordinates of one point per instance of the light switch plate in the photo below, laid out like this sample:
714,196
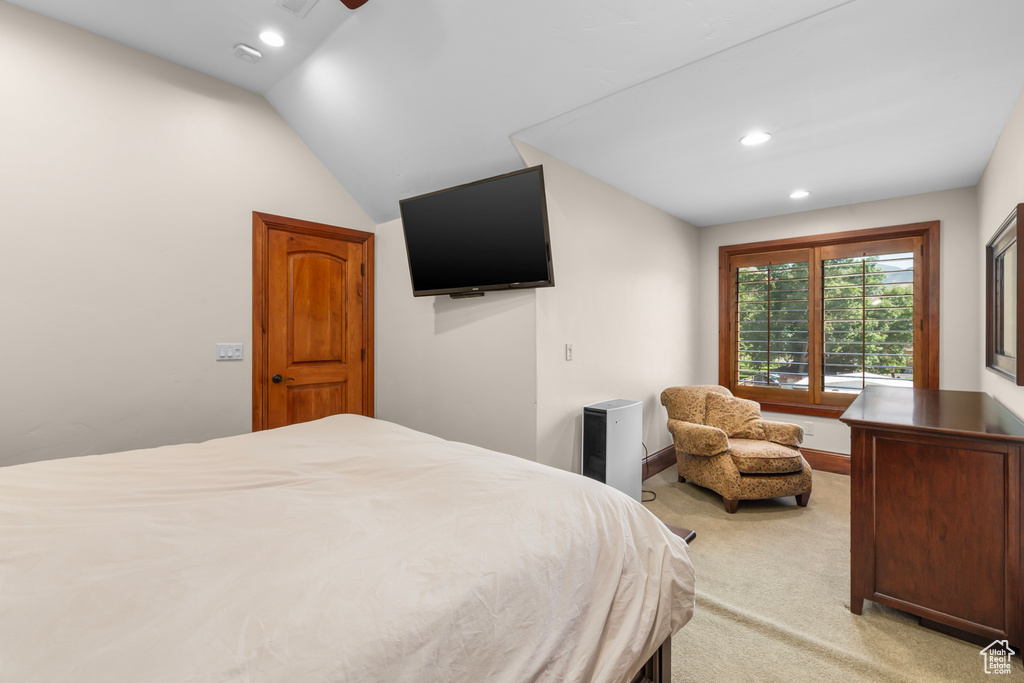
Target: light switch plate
229,351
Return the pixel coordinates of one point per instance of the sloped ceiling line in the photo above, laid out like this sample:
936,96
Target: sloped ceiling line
866,99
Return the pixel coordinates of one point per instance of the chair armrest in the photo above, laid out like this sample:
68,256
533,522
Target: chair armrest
783,433
698,439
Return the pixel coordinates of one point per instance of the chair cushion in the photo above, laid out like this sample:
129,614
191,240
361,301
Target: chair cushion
688,403
764,457
737,417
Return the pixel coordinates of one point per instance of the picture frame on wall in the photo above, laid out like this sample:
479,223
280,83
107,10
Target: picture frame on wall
1004,300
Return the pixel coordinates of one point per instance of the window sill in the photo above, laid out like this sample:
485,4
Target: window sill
1005,374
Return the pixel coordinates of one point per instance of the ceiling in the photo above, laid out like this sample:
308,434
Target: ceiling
865,99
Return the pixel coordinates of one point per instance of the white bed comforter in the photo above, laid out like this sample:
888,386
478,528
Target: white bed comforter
347,549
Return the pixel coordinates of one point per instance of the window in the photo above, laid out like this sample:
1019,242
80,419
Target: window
1002,292
807,323
772,323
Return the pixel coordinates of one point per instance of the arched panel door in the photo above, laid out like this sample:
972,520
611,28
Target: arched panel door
316,327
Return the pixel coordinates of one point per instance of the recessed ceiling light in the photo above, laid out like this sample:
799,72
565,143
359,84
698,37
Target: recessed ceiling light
758,137
799,194
272,39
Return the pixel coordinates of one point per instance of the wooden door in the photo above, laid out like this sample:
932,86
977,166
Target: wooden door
312,321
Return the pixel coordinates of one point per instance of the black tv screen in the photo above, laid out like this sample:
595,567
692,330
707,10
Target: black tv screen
488,235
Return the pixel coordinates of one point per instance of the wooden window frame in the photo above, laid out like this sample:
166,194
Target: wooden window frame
1005,237
815,402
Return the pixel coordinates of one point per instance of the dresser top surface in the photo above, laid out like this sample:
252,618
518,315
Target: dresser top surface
969,413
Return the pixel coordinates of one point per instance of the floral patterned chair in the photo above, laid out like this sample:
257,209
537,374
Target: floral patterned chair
723,444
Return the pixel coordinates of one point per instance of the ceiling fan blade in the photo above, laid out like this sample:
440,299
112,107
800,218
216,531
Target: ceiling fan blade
353,4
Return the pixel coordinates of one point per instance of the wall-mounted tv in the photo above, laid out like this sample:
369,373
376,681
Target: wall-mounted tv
487,235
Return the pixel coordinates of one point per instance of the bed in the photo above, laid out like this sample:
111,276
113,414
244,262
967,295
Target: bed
344,549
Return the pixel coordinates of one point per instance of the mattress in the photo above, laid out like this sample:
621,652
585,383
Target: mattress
345,549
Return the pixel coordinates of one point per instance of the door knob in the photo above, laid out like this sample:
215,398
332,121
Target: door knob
277,379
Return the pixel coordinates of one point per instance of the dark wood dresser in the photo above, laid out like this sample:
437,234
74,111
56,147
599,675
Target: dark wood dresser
935,509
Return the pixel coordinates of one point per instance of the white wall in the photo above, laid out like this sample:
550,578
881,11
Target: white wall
127,185
960,280
492,371
1000,190
463,369
625,297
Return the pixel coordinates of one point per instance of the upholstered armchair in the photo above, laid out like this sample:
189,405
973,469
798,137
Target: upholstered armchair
723,444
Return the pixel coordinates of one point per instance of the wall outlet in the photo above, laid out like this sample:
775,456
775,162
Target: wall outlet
808,429
229,352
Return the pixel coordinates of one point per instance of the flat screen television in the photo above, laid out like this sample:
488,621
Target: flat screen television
488,235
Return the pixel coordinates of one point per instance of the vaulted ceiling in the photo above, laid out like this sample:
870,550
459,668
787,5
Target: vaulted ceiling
865,99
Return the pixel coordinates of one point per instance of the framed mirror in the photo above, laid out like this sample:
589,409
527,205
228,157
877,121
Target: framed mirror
1004,300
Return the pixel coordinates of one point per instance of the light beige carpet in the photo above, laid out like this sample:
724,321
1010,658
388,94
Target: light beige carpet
773,597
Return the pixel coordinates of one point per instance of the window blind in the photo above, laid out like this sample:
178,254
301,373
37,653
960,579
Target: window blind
772,322
868,322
